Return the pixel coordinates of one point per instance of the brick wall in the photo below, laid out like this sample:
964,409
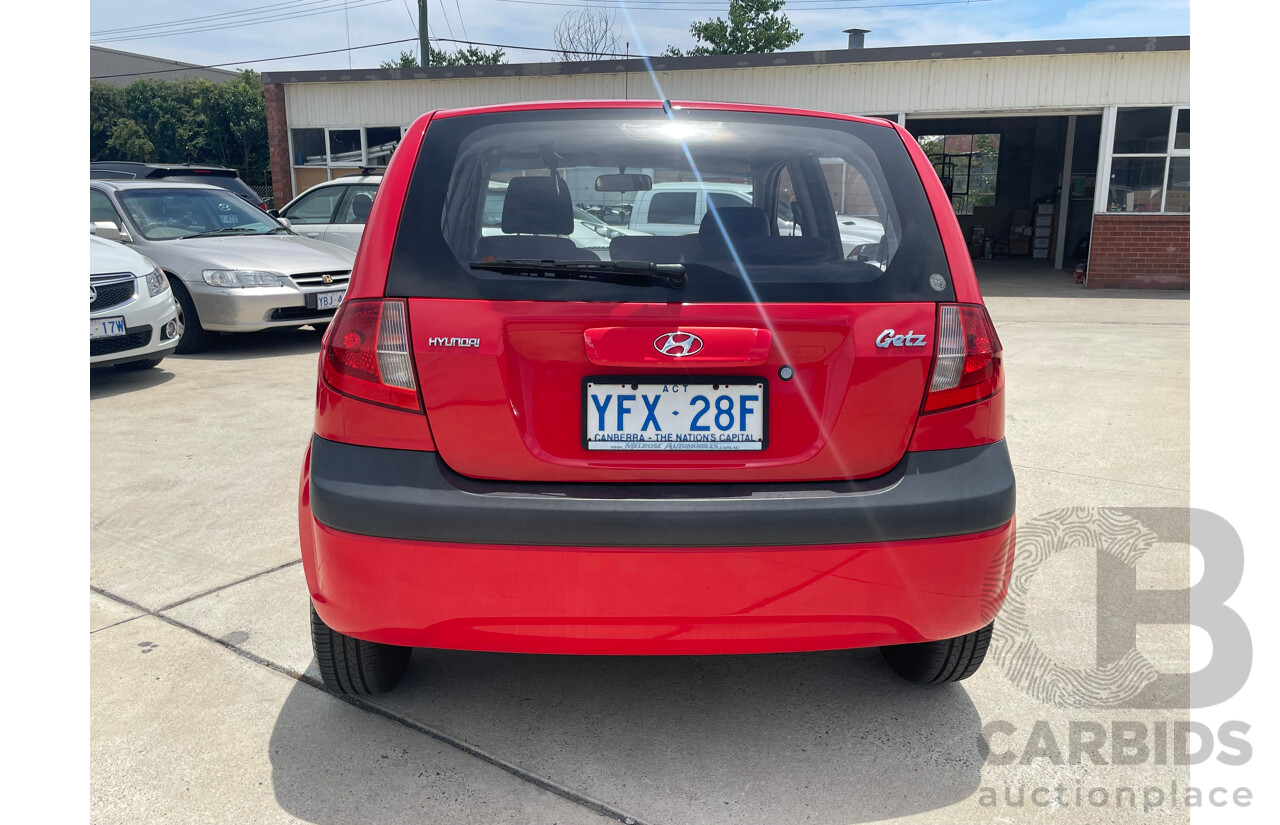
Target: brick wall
278,143
1143,251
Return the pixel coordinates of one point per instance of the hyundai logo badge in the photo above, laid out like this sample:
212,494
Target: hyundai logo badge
678,344
93,294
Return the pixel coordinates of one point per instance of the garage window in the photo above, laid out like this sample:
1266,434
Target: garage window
967,166
1151,161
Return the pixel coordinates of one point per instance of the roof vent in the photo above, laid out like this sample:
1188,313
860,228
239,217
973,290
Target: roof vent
856,37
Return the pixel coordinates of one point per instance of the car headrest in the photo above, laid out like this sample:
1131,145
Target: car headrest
361,206
537,206
739,222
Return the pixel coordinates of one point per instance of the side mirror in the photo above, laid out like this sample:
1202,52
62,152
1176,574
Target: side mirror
108,230
275,213
93,230
285,222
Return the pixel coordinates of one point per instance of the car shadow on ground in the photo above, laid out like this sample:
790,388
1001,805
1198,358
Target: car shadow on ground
105,382
267,343
819,738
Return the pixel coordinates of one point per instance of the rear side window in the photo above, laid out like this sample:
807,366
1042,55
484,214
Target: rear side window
796,209
673,207
228,182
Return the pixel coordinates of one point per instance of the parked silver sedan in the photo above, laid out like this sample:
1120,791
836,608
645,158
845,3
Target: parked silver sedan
233,268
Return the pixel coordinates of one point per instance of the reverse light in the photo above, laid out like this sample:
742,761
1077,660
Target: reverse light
967,364
366,354
240,278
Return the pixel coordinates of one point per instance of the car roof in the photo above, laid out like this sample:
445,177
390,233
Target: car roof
134,164
152,183
347,180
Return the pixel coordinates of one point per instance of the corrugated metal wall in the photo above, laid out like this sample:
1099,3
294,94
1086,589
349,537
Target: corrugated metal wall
122,68
992,84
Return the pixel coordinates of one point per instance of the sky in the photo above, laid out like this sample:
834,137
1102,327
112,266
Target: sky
239,31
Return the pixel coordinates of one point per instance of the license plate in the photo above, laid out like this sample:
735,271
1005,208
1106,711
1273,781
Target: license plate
329,300
106,327
651,415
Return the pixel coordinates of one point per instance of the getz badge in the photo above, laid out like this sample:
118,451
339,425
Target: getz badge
889,338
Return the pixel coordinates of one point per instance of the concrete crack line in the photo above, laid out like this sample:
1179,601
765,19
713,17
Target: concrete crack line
545,784
1100,478
213,590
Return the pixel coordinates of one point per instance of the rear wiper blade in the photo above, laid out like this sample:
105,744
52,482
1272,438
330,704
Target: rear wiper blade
633,273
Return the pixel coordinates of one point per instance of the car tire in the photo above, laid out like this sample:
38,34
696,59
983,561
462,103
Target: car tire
946,660
138,366
355,667
194,337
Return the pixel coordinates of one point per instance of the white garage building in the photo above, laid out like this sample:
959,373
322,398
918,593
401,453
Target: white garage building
1022,133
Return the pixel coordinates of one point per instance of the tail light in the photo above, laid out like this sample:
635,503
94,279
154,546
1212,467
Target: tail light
966,367
366,354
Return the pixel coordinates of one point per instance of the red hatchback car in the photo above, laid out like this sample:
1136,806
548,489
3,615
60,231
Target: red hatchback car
743,430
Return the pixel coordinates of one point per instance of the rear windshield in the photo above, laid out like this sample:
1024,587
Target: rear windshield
226,181
756,207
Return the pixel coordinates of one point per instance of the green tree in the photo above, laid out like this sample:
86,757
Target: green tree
106,107
183,121
470,56
129,140
753,27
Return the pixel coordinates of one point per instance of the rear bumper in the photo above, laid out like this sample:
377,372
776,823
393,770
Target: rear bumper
632,595
413,495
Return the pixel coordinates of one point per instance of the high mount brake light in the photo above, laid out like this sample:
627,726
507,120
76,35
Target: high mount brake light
366,354
967,366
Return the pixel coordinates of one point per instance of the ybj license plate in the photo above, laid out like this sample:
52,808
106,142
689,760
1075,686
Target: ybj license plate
329,300
649,414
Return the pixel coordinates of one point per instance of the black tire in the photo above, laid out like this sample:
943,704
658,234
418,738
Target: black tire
194,337
946,660
138,366
354,667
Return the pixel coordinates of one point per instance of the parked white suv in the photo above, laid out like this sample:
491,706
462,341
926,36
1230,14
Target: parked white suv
334,211
133,320
678,209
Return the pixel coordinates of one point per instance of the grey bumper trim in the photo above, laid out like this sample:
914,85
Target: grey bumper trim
406,494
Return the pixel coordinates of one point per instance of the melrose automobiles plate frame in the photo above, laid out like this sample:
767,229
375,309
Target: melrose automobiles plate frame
706,381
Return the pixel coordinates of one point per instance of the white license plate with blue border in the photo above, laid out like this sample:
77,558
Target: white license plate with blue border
112,327
648,414
329,300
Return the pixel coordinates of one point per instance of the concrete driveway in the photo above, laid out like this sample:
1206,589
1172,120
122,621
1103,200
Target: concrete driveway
206,705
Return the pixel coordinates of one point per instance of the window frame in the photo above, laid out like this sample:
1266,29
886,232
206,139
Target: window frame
1108,155
314,192
970,173
329,166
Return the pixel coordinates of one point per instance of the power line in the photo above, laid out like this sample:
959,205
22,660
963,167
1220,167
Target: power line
186,21
357,48
447,24
290,15
462,22
683,5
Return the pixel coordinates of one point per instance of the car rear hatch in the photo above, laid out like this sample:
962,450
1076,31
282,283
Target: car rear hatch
777,357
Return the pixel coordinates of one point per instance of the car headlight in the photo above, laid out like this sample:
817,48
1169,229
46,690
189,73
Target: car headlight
156,280
240,277
604,231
